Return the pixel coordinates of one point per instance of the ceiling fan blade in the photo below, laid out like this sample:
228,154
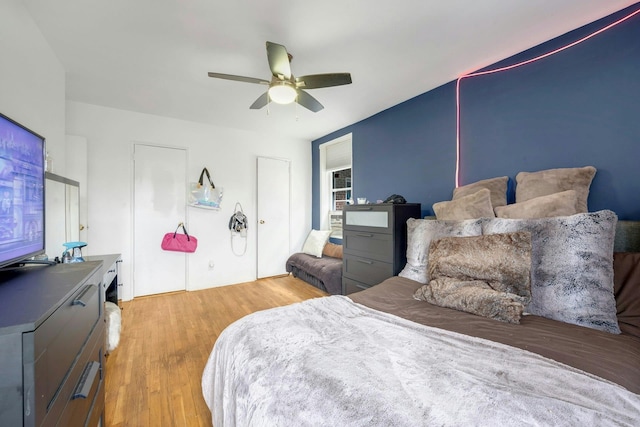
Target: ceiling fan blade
239,78
316,81
278,61
308,101
260,102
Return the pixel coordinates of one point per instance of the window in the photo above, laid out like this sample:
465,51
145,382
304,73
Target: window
335,183
340,193
340,188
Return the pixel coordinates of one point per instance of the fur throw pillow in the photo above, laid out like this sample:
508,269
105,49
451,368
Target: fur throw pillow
476,205
113,319
420,233
556,204
497,187
484,275
571,266
542,183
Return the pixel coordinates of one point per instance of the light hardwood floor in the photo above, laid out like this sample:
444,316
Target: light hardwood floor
153,377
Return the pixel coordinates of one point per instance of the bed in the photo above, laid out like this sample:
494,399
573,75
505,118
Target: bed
385,357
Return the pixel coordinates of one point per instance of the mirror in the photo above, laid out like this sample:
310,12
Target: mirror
62,213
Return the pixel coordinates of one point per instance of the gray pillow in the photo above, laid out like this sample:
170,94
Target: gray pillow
484,275
571,267
476,205
497,187
542,183
420,233
557,204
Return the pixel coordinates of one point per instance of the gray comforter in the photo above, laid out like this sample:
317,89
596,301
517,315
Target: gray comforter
330,361
324,273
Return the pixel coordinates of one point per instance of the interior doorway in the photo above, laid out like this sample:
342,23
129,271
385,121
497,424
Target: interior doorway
160,183
274,188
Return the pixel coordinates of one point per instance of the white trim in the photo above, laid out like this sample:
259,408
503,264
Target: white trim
325,178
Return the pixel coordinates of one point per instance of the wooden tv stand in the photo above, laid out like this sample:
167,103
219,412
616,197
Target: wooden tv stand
52,338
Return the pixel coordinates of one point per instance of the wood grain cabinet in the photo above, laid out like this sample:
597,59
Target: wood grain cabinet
374,243
52,345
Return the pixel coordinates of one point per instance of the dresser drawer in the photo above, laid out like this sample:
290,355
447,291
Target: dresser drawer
57,342
370,218
350,286
364,270
82,395
368,245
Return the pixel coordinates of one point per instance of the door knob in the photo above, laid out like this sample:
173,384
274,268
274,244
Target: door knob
262,221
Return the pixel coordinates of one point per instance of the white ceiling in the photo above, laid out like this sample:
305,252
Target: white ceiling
152,56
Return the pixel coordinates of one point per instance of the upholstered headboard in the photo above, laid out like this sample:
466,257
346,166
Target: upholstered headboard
627,237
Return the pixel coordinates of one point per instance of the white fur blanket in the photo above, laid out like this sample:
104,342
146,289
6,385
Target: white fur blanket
331,362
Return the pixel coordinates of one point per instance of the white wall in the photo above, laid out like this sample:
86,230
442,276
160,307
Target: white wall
32,80
32,92
229,154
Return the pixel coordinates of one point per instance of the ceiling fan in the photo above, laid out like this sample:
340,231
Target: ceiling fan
284,88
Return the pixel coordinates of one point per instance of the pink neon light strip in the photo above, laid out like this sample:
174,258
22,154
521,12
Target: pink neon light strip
509,67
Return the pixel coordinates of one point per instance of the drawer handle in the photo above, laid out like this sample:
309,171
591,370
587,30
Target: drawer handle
86,381
364,235
364,261
86,294
362,287
364,208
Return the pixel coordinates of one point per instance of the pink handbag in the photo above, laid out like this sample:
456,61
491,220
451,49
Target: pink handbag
179,242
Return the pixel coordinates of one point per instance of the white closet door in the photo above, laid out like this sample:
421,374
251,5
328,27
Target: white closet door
273,216
159,205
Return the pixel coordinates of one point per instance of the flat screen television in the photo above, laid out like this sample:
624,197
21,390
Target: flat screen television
22,180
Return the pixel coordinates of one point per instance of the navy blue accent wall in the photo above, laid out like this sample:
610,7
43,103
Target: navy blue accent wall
578,107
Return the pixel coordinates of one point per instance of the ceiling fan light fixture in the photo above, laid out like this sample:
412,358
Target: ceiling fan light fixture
284,88
282,93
